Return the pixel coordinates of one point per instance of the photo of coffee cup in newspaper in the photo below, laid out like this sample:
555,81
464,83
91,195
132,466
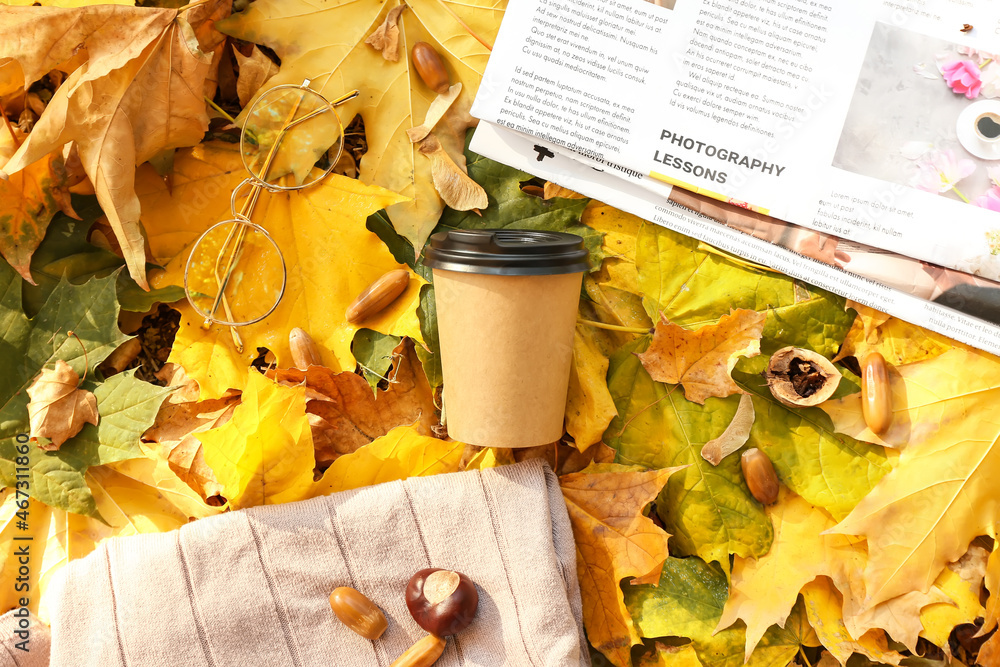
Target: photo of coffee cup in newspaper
987,126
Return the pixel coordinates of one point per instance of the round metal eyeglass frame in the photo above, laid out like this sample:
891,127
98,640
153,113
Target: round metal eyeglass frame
241,223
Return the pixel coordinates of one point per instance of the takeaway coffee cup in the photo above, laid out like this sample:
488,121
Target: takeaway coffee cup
506,307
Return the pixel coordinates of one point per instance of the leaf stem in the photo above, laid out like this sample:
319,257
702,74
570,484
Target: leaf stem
614,327
86,360
220,110
804,658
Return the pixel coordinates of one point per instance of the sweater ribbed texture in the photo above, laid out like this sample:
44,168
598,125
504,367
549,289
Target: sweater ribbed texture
252,587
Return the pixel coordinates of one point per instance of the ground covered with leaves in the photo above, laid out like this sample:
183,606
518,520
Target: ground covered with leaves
126,416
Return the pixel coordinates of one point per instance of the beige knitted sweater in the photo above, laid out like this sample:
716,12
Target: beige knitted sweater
252,587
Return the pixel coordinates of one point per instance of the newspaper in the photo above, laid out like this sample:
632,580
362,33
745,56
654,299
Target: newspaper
877,121
862,121
955,304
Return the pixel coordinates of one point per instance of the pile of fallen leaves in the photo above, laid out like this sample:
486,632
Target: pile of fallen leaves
119,142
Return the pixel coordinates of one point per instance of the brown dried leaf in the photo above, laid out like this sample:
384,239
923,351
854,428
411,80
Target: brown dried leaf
28,201
59,408
614,541
255,70
174,431
435,112
455,187
344,413
139,93
386,36
735,435
702,359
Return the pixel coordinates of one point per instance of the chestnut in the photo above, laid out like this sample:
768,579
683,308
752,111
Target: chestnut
442,602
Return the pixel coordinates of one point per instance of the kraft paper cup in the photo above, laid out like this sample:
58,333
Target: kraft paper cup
506,306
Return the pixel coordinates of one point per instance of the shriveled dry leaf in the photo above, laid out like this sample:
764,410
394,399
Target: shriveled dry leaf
941,495
59,408
438,108
614,541
386,36
457,190
313,38
28,201
140,93
255,70
703,359
735,435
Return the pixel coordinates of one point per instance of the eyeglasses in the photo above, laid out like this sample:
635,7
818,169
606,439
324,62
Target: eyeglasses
291,139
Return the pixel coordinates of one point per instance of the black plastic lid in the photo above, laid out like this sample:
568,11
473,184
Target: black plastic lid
507,252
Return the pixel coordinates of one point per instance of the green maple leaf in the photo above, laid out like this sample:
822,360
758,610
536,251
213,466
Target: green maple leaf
373,351
66,253
127,406
708,509
688,602
693,287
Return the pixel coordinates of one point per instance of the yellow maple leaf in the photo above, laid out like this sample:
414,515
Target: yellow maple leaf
264,453
613,541
942,493
824,610
326,43
897,340
960,583
589,406
763,591
620,230
329,254
139,92
703,359
400,453
137,496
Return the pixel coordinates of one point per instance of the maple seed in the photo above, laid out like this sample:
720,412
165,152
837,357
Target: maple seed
430,67
760,476
358,613
377,296
442,602
876,396
801,378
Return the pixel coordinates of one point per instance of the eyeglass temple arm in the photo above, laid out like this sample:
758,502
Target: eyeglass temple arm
251,201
